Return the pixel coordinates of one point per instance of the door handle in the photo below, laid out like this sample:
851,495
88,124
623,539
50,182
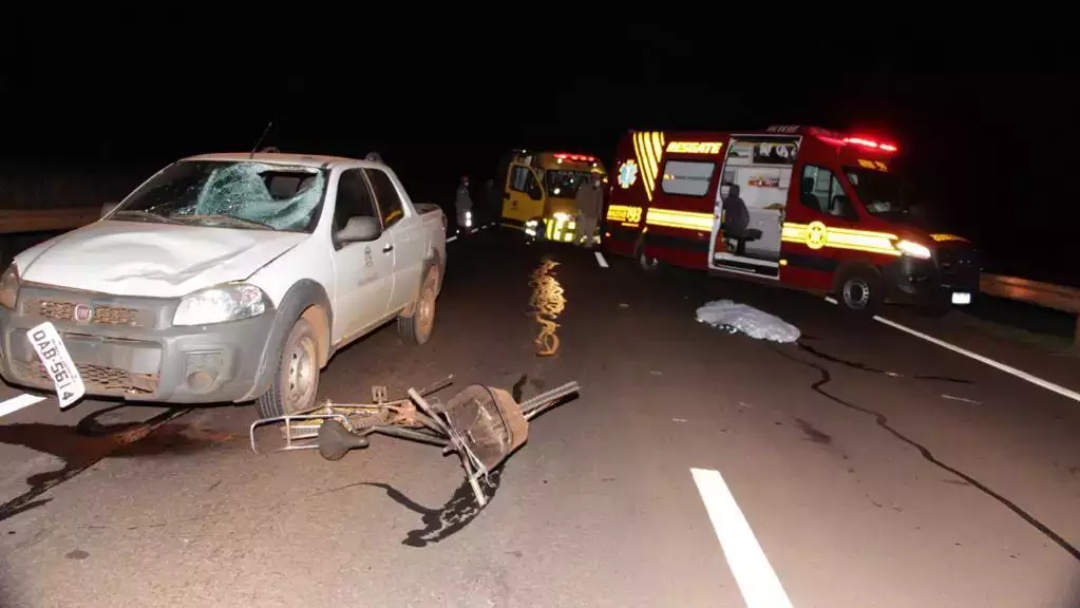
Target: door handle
387,248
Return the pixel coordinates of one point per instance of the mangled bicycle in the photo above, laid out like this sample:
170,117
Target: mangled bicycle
483,425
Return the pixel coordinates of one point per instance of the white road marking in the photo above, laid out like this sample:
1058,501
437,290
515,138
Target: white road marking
17,403
758,583
601,260
451,239
831,300
1050,386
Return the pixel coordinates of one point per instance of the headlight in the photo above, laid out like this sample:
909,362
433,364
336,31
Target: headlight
9,286
220,304
532,223
913,249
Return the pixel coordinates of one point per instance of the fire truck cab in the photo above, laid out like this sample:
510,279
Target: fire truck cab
539,190
804,207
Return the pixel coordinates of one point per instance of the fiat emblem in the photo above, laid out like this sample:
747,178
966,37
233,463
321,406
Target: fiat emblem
83,313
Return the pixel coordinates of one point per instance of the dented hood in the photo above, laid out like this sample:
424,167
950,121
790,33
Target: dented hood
161,260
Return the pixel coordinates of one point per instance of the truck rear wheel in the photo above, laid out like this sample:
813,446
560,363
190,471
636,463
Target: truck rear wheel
296,383
860,290
418,326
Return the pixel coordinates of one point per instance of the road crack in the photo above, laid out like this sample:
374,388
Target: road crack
883,421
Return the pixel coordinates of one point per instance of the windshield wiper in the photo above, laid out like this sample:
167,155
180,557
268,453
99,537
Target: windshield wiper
145,215
218,218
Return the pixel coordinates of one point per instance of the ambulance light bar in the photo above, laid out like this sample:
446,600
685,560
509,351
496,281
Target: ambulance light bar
869,143
577,158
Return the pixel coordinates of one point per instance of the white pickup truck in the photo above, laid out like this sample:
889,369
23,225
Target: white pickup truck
224,278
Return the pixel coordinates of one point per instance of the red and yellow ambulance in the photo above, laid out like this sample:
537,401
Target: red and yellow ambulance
804,207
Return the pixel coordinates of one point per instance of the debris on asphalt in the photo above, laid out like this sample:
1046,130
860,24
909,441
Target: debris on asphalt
733,318
964,399
678,419
656,372
623,305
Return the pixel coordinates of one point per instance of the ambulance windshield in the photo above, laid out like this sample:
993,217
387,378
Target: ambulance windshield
881,193
565,183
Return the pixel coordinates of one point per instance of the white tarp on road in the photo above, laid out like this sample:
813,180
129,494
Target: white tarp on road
733,317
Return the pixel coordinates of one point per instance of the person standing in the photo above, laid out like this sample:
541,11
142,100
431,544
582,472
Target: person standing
590,201
463,205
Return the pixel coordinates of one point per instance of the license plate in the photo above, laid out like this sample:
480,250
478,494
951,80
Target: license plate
961,297
57,362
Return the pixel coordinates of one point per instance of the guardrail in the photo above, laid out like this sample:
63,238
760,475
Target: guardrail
45,220
1046,295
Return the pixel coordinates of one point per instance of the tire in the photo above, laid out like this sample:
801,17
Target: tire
296,382
417,327
861,291
646,262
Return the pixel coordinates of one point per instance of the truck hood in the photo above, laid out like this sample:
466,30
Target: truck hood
157,260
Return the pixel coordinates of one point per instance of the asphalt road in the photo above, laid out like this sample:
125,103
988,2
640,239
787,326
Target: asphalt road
873,468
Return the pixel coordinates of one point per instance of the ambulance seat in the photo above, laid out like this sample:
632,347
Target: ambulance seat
736,221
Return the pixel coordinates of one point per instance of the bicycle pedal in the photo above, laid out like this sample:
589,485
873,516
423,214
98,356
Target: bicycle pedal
379,394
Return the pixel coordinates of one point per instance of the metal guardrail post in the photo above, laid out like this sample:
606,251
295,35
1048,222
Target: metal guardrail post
1046,295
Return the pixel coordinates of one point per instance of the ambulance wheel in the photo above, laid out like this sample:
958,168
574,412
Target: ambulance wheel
860,291
647,262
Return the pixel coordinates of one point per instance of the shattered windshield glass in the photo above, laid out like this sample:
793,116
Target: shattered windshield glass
230,194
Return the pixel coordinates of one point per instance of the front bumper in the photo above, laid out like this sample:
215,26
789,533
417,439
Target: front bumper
131,350
928,282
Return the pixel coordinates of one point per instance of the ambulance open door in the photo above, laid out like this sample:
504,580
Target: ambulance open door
751,203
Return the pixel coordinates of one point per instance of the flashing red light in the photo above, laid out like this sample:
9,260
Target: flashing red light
580,158
869,143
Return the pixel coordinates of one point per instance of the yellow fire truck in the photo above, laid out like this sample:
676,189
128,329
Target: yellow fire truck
539,190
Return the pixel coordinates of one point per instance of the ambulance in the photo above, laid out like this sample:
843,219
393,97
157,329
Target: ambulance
539,190
802,207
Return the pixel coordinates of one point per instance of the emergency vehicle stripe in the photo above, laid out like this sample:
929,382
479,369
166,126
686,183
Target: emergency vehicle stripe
649,150
639,152
817,235
672,218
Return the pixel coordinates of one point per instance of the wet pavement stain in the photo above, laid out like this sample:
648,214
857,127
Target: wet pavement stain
89,442
77,554
548,303
812,433
825,377
447,520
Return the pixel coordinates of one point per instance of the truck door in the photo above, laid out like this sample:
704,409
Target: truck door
364,271
523,197
751,205
407,239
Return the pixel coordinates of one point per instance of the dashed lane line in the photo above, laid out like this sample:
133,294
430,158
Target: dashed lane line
17,403
758,583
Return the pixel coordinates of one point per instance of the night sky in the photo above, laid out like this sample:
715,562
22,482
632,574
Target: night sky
984,116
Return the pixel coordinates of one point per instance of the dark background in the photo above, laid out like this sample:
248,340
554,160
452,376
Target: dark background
983,114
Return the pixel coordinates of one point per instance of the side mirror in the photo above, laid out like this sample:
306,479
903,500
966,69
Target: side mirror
358,229
535,194
107,208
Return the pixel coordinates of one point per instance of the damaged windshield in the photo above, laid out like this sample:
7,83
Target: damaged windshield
230,194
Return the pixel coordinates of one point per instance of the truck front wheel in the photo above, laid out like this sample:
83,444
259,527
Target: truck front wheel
296,383
417,327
